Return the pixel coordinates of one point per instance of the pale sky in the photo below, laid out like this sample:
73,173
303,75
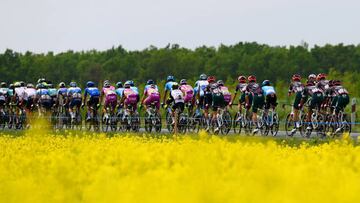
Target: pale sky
60,25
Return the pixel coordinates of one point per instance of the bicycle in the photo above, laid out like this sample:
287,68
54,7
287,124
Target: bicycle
290,124
242,121
131,119
271,122
197,121
339,124
108,120
152,119
76,121
222,122
92,119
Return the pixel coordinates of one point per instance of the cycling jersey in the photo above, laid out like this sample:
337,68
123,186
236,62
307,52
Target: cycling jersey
119,91
148,86
44,98
152,95
52,92
20,93
73,92
227,95
188,91
135,89
92,92
200,84
131,97
31,93
4,94
268,90
62,91
296,87
241,87
316,95
168,85
253,88
217,99
177,96
10,92
323,85
254,91
110,96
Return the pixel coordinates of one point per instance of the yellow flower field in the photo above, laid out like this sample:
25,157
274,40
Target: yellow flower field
89,167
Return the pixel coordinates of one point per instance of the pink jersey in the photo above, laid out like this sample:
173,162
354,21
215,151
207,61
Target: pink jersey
108,90
188,92
131,96
227,95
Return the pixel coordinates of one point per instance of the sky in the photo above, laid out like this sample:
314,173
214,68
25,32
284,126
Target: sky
60,25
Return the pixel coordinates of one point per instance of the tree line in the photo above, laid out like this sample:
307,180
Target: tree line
276,63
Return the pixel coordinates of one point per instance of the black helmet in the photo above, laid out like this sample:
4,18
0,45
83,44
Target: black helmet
266,83
220,83
175,85
119,84
150,82
3,84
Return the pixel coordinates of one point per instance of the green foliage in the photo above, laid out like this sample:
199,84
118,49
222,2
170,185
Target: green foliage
226,62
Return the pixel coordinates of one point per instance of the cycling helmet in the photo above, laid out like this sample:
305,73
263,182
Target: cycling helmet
331,83
312,77
296,77
150,82
242,79
72,84
50,85
3,84
30,85
41,80
132,84
183,82
170,78
90,84
214,86
320,76
203,77
11,86
220,83
17,84
40,86
62,85
119,84
211,79
175,85
22,83
252,78
106,84
127,84
266,83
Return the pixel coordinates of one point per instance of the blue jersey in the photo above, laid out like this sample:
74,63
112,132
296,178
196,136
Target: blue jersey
119,91
73,90
92,92
168,86
41,92
148,86
62,91
135,89
268,90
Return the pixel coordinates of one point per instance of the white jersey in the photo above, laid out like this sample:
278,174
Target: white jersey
20,92
202,84
177,95
30,92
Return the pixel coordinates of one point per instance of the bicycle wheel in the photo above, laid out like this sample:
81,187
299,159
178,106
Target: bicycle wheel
275,125
158,124
148,122
227,123
169,125
237,123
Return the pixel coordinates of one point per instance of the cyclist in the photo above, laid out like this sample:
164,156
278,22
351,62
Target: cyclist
31,97
199,88
341,97
74,98
225,91
94,98
119,89
62,93
208,99
188,92
240,88
149,83
296,87
176,100
170,80
270,96
254,93
129,97
217,102
312,78
52,92
108,97
4,96
19,96
316,99
43,97
151,94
